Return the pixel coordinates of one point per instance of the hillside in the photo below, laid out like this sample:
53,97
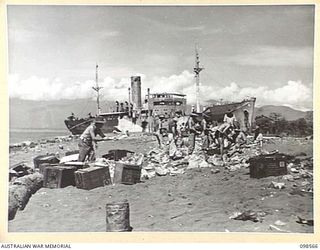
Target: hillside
288,113
47,114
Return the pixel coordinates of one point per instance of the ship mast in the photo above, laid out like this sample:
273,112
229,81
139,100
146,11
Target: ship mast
97,89
197,69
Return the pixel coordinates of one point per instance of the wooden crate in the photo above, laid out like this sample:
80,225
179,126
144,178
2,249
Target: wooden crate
92,177
73,152
127,173
58,176
268,165
77,164
51,159
42,167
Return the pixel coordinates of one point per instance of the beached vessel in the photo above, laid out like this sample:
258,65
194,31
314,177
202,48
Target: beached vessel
77,125
244,112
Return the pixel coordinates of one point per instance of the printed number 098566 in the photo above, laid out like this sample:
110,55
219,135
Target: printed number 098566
311,246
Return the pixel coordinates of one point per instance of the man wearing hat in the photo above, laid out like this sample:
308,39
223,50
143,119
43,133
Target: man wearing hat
88,140
195,128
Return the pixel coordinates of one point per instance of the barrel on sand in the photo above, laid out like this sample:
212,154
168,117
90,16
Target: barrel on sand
118,219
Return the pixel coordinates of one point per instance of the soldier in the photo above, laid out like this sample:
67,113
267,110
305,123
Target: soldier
121,107
229,118
127,107
88,140
117,106
195,128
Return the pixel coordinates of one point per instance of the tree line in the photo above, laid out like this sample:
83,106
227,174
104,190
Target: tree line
276,124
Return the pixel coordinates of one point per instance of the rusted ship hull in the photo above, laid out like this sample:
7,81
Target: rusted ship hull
244,112
77,126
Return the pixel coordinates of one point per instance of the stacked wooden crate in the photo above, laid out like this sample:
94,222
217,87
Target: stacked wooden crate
92,177
58,176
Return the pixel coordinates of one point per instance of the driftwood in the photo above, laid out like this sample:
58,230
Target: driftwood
20,190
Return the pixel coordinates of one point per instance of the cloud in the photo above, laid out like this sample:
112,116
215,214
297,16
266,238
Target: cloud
173,83
275,56
193,28
293,93
24,35
35,88
106,34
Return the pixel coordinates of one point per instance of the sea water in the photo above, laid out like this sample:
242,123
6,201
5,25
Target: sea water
20,135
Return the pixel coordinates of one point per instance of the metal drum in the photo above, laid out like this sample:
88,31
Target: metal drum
118,217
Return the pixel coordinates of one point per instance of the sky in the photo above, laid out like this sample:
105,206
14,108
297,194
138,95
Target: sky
261,51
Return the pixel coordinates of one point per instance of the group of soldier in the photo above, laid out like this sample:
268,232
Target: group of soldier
183,131
180,133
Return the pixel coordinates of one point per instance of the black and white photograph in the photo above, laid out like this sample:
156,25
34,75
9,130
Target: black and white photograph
161,118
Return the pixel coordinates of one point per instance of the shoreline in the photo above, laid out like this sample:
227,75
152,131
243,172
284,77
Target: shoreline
33,144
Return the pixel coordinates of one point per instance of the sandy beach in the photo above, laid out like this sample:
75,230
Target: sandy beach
197,201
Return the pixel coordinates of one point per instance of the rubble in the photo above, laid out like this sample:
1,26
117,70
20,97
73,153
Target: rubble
304,221
247,215
19,170
161,171
215,160
272,227
215,171
26,145
277,185
288,177
279,223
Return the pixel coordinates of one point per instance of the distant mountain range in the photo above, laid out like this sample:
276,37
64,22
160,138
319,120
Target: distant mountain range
48,114
288,113
51,114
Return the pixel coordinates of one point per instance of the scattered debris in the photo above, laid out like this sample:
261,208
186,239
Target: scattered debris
277,185
294,170
234,167
129,168
69,158
288,177
215,171
272,227
25,145
279,223
247,215
304,221
19,170
161,171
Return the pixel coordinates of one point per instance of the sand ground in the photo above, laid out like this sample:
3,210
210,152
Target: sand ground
196,201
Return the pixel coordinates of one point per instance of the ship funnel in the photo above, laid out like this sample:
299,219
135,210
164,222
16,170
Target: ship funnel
136,91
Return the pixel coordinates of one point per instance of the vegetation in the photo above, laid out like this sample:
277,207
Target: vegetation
276,124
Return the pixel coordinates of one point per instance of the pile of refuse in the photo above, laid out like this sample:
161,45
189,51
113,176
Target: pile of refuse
163,161
159,163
